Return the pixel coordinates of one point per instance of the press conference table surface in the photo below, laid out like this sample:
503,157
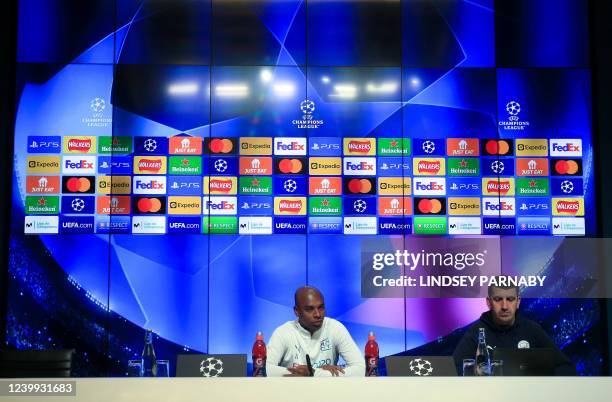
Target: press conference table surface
521,389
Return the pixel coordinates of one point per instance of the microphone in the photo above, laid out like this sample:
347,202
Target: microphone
309,364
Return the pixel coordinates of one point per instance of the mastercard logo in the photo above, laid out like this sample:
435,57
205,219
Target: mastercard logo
430,206
498,147
567,167
149,205
288,166
78,185
221,146
360,186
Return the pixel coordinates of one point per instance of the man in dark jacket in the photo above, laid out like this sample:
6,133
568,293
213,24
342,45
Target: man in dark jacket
504,328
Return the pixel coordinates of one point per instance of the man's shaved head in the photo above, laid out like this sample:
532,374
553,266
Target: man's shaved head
304,293
309,308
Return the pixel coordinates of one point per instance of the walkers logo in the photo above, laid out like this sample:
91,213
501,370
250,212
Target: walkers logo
462,147
149,205
394,146
290,166
428,147
78,184
394,206
394,226
499,226
149,185
187,225
429,206
359,146
499,206
430,225
360,186
325,225
255,146
567,186
325,206
497,167
256,166
289,146
360,166
220,225
184,205
360,226
113,205
534,226
78,204
496,147
359,206
42,205
79,145
185,185
568,206
259,185
498,186
292,185
394,186
76,224
463,166
529,147
429,186
290,225
149,165
259,225
41,225
532,167
227,166
464,206
79,165
567,167
184,145
116,225
568,227
43,164
532,187
220,206
533,206
429,166
114,184
255,205
394,167
42,184
289,205
566,147
188,165
151,145
114,164
464,226
325,186
324,146
115,145
225,146
38,144
325,166
220,185
149,225
463,187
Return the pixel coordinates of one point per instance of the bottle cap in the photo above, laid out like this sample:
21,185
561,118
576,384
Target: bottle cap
259,336
371,336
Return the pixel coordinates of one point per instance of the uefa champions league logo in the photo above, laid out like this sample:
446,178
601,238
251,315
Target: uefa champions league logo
513,108
307,107
211,367
96,119
514,122
421,367
97,105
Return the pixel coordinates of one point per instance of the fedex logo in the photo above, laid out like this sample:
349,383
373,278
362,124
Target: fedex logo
503,206
566,147
79,165
149,185
289,146
429,186
360,166
220,206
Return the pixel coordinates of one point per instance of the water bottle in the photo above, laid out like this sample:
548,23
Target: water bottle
483,358
371,356
259,356
148,366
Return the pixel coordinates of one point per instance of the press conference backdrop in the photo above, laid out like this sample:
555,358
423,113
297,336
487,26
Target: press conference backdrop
184,166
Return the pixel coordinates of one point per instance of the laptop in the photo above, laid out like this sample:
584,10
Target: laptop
199,365
420,366
526,362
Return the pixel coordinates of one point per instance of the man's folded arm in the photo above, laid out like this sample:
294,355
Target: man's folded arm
276,350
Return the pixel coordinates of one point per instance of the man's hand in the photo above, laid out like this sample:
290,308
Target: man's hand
334,370
298,371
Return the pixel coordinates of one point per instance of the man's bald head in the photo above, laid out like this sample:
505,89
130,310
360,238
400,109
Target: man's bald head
309,308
